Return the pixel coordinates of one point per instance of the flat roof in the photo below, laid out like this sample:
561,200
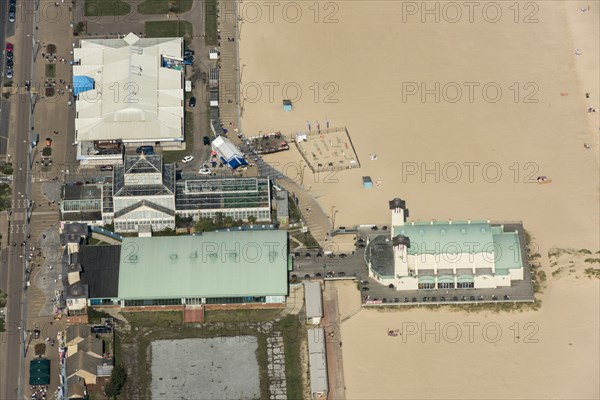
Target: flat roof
213,264
447,237
100,266
507,251
81,192
135,97
314,299
317,360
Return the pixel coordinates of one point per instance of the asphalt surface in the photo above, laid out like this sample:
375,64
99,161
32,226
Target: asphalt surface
13,372
7,29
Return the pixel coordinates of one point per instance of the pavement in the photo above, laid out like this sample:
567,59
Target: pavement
333,343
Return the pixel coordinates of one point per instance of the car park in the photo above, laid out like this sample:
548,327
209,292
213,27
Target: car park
192,102
206,140
187,159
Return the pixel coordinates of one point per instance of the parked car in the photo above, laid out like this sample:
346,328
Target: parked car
101,329
48,142
9,73
341,273
187,62
10,55
343,255
146,150
192,102
187,159
374,228
9,62
188,58
204,171
106,168
189,52
206,140
12,15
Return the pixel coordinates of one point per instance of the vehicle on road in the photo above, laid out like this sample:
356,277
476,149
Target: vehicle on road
187,159
192,102
204,171
206,140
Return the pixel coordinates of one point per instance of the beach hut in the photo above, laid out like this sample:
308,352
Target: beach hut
367,182
287,105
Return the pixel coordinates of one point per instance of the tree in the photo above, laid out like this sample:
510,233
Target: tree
118,377
251,219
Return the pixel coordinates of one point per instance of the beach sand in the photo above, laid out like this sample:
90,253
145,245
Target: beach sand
462,157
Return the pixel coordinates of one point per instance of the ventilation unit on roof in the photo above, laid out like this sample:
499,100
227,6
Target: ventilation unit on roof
173,256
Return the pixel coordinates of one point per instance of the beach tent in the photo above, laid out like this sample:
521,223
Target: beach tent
82,83
39,372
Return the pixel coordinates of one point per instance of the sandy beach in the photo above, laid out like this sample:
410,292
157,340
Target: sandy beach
463,117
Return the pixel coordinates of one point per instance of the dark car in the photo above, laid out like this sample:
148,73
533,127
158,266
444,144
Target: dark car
364,289
10,63
341,274
455,298
472,298
318,275
331,255
374,228
146,150
307,276
206,140
189,52
396,300
192,101
101,329
434,299
296,254
307,255
414,299
384,300
442,298
343,255
9,55
319,254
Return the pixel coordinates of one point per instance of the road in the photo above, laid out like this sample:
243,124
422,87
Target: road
6,30
12,352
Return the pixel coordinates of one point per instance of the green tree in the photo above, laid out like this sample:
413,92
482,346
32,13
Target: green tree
118,377
251,219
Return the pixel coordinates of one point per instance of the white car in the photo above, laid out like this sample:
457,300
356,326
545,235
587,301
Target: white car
204,171
187,159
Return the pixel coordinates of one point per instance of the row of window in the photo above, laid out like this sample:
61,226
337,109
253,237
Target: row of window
175,302
459,285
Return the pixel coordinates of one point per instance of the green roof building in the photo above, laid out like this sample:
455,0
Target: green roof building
445,255
210,268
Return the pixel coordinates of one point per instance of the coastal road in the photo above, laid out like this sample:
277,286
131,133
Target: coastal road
6,30
12,350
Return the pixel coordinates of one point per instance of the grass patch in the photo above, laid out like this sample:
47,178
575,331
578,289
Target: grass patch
50,71
164,6
213,316
210,22
152,319
94,315
101,8
293,335
307,239
175,156
166,29
593,273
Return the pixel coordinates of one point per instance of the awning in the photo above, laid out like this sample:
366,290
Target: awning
39,372
82,83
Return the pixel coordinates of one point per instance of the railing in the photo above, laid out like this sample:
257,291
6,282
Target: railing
110,234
